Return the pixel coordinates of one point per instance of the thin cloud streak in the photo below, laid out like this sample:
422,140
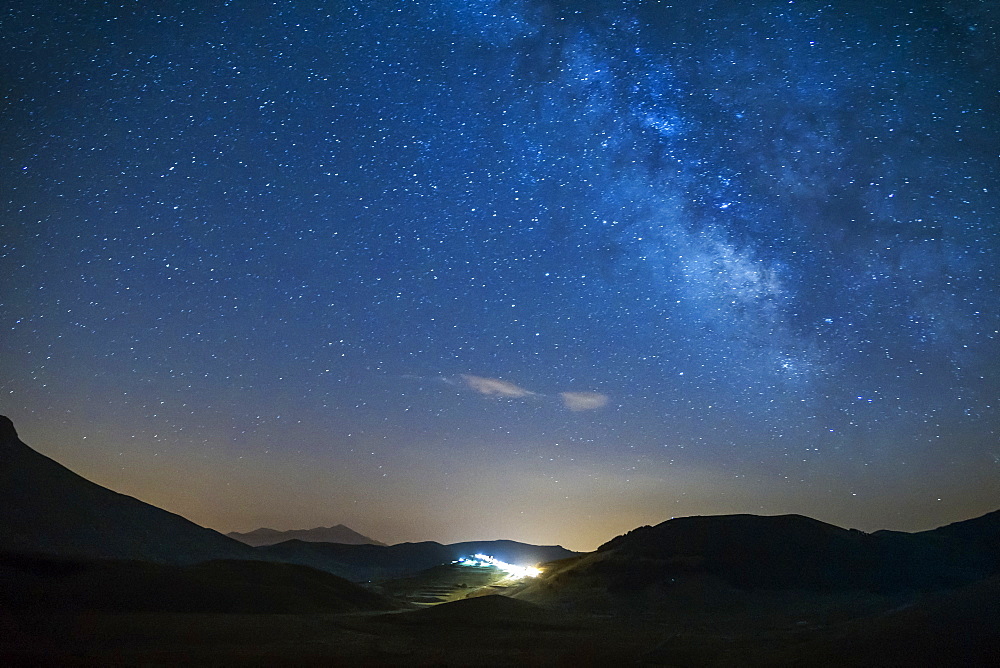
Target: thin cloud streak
583,401
495,387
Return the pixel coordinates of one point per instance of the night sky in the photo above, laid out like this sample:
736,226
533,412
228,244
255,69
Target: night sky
475,269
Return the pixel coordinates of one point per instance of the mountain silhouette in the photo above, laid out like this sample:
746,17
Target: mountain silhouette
69,544
47,509
362,563
751,553
334,534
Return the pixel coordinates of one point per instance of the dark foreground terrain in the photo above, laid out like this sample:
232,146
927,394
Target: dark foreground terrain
483,636
957,629
601,609
237,613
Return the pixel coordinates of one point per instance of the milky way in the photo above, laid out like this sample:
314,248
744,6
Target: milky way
535,270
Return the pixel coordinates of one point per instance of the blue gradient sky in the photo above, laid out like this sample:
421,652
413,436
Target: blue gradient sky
535,270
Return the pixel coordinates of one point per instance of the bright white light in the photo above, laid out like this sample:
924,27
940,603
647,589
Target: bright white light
483,560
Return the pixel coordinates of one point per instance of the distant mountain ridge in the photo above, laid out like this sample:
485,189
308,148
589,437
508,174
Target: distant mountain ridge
362,563
48,511
335,534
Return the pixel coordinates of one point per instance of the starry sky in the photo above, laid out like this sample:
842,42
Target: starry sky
530,269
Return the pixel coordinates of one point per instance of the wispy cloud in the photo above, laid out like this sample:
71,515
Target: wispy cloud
583,401
494,386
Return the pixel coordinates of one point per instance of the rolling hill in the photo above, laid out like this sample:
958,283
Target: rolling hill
362,563
711,563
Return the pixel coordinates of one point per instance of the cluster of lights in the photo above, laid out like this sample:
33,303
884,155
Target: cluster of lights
484,560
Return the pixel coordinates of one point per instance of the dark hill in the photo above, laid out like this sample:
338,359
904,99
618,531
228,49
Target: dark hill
980,535
951,627
954,627
712,563
47,509
39,584
788,551
362,563
334,534
792,552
